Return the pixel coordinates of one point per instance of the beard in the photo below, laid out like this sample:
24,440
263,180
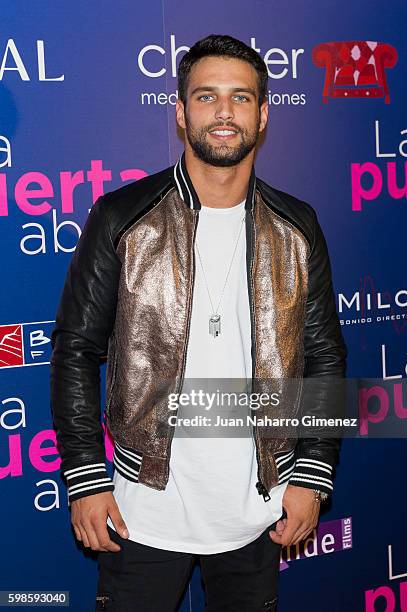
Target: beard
223,154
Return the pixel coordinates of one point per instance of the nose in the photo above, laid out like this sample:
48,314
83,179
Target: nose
224,109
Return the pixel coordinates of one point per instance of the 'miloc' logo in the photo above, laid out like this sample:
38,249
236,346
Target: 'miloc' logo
24,344
355,68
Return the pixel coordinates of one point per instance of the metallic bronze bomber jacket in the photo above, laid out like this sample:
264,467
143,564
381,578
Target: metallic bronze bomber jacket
128,294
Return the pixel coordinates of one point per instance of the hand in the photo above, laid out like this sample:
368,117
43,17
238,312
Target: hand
302,516
89,519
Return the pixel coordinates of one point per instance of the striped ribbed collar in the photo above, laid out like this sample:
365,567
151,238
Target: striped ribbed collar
187,191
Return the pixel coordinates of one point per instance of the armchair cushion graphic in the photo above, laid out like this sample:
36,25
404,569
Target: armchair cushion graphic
355,69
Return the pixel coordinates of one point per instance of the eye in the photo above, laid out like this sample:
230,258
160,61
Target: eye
204,97
241,98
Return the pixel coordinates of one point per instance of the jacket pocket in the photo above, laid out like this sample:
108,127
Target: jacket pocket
127,461
285,462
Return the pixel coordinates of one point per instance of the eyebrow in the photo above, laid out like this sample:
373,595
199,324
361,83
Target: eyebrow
211,88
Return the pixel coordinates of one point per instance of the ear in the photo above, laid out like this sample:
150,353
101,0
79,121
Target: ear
180,113
264,113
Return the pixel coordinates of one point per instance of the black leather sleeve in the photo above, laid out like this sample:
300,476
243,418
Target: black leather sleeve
84,322
325,356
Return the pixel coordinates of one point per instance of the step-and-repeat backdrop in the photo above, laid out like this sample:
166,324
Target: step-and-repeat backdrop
87,96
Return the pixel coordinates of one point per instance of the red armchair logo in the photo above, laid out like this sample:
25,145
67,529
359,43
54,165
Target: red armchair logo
11,345
355,69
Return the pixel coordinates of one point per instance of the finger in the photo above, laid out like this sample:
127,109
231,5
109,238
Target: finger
302,537
77,533
92,537
279,538
104,540
306,532
307,527
291,527
298,540
280,526
117,520
84,537
275,537
289,532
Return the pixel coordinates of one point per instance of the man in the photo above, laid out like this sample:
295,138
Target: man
201,271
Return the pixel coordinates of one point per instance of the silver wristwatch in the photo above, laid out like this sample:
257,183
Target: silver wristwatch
320,496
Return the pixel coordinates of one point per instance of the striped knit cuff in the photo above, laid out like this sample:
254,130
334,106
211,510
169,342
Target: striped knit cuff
312,474
87,480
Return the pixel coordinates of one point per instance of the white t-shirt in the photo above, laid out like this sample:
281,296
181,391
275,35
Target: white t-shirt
210,503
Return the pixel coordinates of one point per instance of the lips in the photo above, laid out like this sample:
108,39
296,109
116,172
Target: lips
223,133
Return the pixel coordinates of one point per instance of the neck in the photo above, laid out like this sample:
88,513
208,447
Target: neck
219,187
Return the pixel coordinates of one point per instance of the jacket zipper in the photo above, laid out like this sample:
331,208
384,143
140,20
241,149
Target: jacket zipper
113,377
196,214
261,489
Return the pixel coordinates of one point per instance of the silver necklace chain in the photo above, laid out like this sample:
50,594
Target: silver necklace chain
214,320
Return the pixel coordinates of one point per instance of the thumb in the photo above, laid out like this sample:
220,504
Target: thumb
118,521
276,537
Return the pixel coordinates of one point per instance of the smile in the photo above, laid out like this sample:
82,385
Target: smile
223,134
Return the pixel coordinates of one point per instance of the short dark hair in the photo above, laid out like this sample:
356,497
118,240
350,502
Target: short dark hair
219,45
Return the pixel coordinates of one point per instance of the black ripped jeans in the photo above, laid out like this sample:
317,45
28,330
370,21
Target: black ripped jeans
141,578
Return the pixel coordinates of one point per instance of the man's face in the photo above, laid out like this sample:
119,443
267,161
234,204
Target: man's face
222,118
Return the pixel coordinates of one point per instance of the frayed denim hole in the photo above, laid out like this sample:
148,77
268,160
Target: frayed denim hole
270,605
103,600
